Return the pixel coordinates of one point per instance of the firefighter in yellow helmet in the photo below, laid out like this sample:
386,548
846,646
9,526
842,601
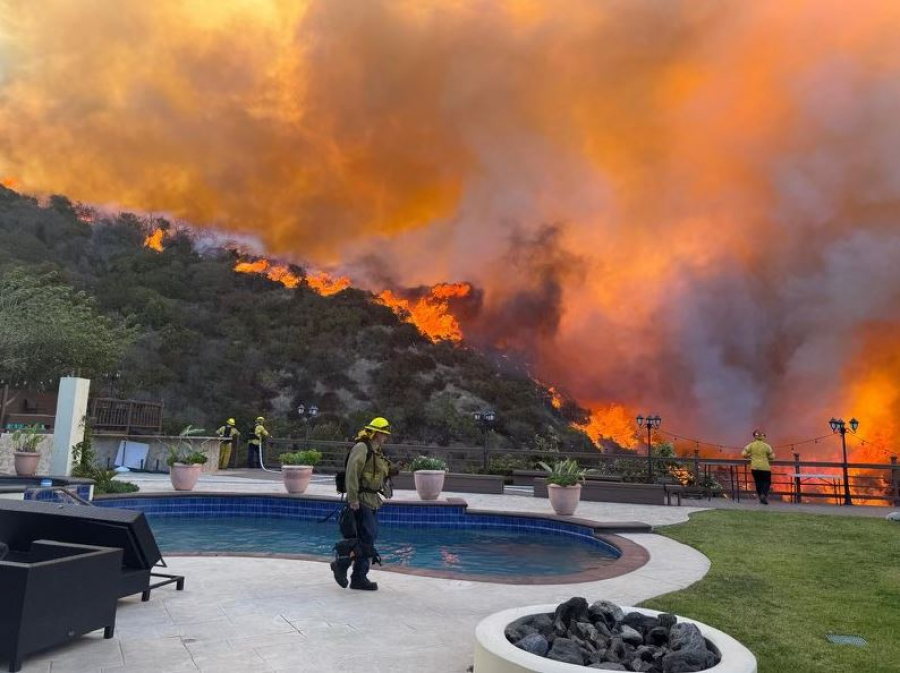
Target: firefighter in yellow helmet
760,454
367,480
229,435
257,443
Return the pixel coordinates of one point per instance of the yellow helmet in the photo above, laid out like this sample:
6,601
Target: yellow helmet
380,424
260,419
231,421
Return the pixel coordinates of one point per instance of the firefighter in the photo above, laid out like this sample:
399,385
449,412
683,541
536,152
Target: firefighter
257,443
367,480
230,435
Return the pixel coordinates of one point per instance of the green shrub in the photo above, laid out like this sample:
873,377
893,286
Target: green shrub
564,472
506,464
426,463
310,457
111,486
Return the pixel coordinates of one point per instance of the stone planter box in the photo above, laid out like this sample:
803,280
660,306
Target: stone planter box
457,483
495,654
527,477
595,491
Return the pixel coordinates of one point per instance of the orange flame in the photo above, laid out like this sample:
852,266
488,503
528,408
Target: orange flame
279,273
325,285
431,312
9,182
555,398
611,421
155,240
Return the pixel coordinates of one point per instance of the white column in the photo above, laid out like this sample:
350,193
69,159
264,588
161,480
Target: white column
68,430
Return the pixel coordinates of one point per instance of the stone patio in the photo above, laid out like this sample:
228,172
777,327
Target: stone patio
255,614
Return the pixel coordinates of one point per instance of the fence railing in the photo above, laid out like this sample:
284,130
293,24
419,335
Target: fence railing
792,480
126,416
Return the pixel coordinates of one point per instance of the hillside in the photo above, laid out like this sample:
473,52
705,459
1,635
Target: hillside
214,343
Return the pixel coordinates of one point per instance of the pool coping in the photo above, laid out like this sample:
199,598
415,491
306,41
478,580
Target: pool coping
631,554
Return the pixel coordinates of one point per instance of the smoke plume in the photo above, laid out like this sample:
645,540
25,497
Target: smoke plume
688,207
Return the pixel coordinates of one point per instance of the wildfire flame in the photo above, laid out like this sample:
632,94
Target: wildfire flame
326,285
155,240
279,273
9,182
611,421
430,312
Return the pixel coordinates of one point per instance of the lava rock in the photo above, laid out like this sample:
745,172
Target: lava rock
645,653
666,620
543,624
585,631
631,636
603,629
687,661
642,666
608,612
637,621
534,643
609,666
573,610
567,651
686,637
657,637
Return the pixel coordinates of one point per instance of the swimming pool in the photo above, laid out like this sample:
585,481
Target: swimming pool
499,553
435,539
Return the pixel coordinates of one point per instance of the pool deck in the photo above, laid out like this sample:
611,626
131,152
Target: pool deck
252,615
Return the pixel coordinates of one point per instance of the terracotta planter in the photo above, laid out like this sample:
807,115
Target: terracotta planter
184,477
564,499
429,483
296,477
26,462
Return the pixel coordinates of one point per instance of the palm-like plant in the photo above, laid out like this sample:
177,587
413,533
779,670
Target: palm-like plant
182,450
563,472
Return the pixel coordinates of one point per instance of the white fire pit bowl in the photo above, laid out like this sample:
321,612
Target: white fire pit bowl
495,654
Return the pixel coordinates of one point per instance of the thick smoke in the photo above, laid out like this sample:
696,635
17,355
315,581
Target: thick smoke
725,173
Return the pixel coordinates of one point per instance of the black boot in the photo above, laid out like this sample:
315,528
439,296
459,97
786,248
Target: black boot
339,569
364,584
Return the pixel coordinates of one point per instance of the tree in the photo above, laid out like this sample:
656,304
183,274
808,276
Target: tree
49,329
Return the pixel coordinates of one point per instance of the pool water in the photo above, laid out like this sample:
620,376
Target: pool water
450,551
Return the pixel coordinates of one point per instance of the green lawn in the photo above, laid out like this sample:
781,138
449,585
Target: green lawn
780,582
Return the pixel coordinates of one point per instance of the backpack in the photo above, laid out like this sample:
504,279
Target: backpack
340,479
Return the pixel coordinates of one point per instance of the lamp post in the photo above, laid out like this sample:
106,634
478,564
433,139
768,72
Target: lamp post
652,422
839,426
307,413
485,421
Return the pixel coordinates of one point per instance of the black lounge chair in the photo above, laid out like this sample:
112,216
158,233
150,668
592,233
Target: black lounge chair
54,593
21,523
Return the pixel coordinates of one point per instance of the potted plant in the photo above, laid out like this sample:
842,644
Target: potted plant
184,461
428,474
297,469
564,481
25,441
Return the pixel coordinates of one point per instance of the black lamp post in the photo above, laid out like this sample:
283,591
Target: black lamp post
652,422
838,425
485,421
307,413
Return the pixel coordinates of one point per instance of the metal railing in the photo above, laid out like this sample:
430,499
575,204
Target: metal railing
875,483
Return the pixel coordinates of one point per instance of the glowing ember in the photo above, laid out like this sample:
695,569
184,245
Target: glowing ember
612,421
280,273
155,240
431,312
325,285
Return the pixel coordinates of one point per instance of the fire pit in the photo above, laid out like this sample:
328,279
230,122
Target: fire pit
577,636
